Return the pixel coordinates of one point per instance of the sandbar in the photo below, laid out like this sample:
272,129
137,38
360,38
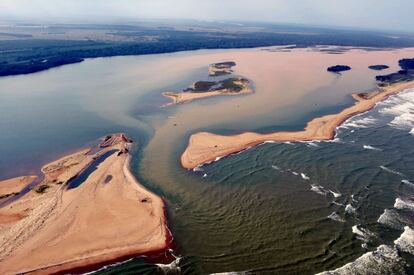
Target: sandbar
204,147
242,85
60,226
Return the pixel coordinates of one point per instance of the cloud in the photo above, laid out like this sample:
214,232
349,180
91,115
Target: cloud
380,14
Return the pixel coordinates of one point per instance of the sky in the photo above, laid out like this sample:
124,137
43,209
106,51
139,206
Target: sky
366,14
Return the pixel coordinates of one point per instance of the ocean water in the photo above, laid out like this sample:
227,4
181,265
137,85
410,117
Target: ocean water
290,208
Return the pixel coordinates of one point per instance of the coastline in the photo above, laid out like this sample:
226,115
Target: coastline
108,217
204,147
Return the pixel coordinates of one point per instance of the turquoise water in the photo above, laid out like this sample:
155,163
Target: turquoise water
276,208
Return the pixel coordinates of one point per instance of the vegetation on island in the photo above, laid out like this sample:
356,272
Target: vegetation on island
338,68
378,67
405,74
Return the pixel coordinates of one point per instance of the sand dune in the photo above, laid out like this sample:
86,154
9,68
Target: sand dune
107,217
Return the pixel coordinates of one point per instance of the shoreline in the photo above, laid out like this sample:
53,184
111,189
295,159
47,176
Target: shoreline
186,97
107,218
204,147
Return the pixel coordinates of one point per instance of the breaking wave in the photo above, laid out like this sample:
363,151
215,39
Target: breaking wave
391,171
404,204
369,147
335,217
384,260
362,234
391,218
406,241
401,106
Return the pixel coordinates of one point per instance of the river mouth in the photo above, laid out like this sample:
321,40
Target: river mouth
240,213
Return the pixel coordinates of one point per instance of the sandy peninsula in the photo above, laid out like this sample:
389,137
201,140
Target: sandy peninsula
205,147
231,86
89,210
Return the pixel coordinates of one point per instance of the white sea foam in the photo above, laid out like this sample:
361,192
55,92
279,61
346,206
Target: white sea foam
336,195
401,106
172,268
404,204
295,173
205,175
408,183
335,217
391,171
369,147
406,241
412,131
384,260
391,219
198,169
269,141
362,234
319,189
349,209
288,142
359,122
304,176
276,167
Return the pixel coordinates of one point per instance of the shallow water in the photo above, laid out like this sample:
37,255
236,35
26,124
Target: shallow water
275,207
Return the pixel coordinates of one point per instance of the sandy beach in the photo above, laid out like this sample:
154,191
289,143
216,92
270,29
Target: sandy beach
89,210
205,147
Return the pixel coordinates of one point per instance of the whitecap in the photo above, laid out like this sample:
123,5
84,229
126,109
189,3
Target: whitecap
304,176
362,234
276,167
335,217
349,209
384,260
407,182
404,204
288,142
358,122
198,169
269,141
171,268
401,106
205,175
319,189
391,171
391,219
406,241
369,147
294,173
336,195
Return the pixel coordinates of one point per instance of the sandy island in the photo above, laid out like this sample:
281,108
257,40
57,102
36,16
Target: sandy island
88,210
205,147
232,86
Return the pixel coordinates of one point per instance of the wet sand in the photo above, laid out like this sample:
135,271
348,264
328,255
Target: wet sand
205,147
56,228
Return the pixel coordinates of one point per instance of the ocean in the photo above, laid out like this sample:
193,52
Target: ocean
285,208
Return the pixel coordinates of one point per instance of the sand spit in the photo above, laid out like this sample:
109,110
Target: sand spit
242,84
58,227
205,147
